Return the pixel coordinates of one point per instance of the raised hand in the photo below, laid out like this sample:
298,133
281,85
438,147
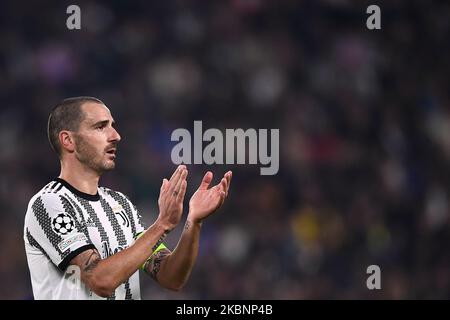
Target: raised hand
171,198
205,201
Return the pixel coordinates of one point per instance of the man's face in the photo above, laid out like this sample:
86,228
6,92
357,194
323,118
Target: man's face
96,140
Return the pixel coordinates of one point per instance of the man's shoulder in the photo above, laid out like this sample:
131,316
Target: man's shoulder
45,199
47,193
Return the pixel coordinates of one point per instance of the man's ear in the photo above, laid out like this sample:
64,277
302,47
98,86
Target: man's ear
67,141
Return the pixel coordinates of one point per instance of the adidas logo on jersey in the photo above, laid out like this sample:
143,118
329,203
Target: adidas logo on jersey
90,223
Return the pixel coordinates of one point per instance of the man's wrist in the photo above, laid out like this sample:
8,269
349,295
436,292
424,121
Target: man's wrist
162,230
192,220
161,226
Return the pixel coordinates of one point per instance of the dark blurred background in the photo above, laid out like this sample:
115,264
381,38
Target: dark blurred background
364,119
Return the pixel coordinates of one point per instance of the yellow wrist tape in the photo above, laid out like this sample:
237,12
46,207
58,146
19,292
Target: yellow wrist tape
159,248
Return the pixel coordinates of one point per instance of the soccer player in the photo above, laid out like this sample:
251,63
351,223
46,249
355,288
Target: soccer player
75,230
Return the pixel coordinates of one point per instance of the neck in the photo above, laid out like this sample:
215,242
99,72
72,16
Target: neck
80,177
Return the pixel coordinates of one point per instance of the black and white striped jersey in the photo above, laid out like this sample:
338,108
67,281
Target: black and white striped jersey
61,222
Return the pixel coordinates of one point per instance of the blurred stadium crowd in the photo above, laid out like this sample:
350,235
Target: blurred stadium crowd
364,119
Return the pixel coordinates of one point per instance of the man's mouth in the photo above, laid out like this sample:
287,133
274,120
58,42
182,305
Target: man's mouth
112,152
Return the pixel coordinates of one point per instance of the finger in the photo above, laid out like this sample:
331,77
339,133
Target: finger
177,170
164,184
182,192
206,181
176,179
174,172
223,185
228,175
222,197
183,176
219,188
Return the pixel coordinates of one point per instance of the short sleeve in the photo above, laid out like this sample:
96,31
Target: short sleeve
54,225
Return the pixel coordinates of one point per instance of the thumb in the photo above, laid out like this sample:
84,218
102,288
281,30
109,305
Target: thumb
206,181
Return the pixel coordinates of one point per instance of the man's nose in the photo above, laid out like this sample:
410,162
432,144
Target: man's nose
115,135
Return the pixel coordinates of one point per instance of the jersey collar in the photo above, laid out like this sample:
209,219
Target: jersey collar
86,196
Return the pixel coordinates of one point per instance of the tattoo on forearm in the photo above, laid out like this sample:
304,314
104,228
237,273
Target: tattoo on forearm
160,240
156,266
187,225
153,264
92,261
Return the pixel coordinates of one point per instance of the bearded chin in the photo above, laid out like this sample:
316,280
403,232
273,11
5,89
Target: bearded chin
89,160
102,166
109,167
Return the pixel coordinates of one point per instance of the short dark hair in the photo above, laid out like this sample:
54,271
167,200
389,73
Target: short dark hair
66,115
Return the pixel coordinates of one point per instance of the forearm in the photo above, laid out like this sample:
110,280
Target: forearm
176,268
109,273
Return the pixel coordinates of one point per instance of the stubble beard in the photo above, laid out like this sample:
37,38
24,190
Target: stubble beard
88,155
